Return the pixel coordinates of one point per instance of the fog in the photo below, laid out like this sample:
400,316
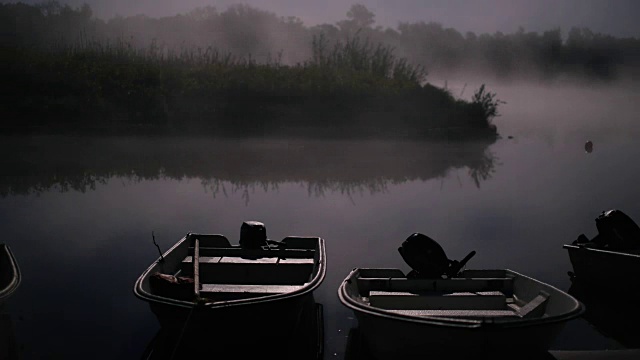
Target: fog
576,46
561,111
617,18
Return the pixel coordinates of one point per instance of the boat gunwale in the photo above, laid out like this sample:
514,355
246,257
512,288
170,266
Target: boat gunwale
600,251
354,305
16,276
308,287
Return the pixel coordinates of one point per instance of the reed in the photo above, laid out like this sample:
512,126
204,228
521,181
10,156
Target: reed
355,86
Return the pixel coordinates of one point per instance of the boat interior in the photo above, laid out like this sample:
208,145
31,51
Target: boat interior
222,272
476,294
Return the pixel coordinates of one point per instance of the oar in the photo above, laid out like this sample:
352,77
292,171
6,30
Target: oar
196,291
196,269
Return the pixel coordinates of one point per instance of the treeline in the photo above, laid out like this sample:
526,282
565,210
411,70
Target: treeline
264,36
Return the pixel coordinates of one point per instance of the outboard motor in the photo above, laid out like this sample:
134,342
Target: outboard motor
428,260
616,231
253,235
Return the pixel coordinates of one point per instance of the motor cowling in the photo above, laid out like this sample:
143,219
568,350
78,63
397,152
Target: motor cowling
427,258
424,255
253,235
617,231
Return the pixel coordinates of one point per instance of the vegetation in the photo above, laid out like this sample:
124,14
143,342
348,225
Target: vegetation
243,31
354,89
62,69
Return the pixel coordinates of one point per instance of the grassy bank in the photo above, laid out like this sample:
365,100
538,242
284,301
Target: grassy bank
352,88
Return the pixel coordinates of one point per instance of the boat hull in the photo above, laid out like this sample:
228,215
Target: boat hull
272,319
396,339
605,270
10,276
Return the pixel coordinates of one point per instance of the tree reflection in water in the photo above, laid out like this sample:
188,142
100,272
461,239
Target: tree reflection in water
63,163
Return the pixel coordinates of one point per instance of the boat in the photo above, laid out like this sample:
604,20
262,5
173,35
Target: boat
441,308
610,261
258,288
9,274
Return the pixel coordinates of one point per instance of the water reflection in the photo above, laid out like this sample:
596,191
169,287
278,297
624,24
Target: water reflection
63,163
615,317
306,342
357,350
8,344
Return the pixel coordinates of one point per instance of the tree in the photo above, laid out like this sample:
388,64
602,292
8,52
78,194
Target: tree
359,18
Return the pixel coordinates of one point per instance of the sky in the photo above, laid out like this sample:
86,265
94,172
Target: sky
614,17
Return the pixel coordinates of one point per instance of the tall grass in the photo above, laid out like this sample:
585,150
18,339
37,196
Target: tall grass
356,85
355,55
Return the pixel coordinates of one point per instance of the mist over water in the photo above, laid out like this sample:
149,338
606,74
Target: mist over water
560,111
78,211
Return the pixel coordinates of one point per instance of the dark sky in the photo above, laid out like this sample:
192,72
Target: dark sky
615,17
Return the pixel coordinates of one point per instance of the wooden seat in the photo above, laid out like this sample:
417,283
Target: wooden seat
534,308
494,300
254,253
504,285
237,270
239,260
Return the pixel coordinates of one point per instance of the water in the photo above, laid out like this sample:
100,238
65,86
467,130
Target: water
78,212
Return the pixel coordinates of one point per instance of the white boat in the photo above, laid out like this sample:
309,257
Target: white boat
610,261
258,287
9,273
487,310
494,311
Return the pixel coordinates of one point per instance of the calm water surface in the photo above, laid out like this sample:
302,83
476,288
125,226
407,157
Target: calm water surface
78,212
